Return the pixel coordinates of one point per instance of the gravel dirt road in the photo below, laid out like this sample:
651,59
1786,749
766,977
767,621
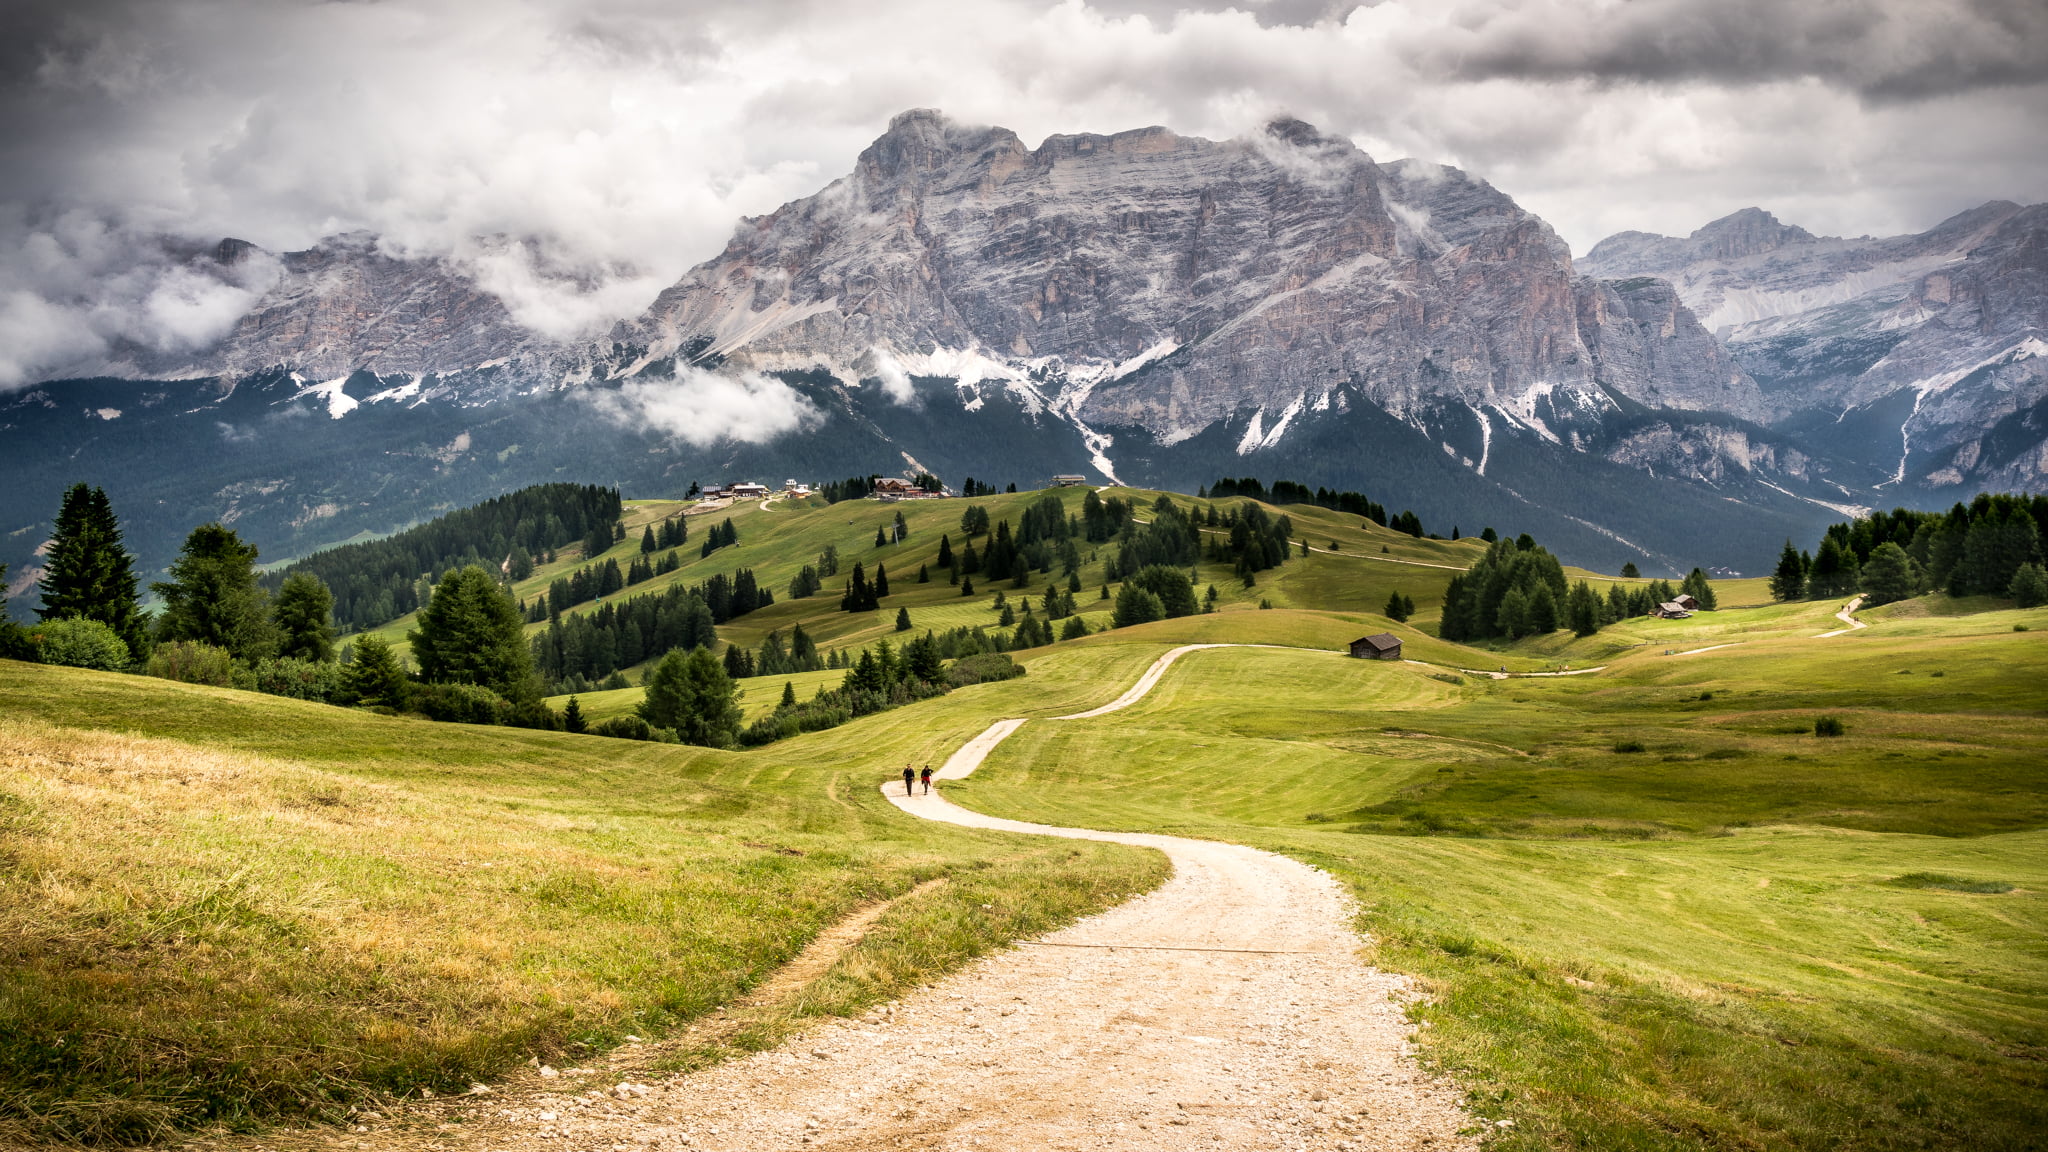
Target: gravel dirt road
1227,1010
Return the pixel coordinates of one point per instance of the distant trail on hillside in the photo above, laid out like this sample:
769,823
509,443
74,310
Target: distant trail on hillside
1846,616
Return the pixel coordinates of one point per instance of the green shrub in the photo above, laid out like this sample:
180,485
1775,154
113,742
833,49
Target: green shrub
985,668
191,662
321,681
79,643
1628,746
459,703
1447,677
627,727
1828,726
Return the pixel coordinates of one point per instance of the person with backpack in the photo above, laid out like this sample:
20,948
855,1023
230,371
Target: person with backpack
909,779
927,779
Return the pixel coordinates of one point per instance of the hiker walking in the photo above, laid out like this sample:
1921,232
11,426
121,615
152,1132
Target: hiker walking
909,778
927,777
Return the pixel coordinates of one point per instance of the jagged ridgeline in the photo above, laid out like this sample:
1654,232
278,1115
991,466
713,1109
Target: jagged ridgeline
378,581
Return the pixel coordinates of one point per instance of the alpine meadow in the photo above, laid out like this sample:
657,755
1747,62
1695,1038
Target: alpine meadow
1011,576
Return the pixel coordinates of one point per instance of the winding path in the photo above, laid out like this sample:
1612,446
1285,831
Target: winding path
1226,1010
1847,616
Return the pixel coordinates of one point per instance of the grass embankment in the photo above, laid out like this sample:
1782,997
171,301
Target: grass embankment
1744,936
221,907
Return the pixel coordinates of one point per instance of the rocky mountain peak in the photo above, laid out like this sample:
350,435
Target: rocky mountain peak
1747,233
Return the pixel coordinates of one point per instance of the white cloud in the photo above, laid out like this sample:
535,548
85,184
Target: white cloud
581,154
702,408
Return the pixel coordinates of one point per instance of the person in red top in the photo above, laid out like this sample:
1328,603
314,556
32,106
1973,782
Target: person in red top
927,779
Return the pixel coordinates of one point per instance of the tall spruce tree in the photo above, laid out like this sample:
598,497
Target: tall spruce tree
1788,582
471,632
212,596
87,574
304,616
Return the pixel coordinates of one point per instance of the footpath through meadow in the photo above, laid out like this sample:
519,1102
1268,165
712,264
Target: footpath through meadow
1227,1010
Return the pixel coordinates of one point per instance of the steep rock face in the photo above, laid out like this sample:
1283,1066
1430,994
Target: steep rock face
1167,283
345,306
1923,356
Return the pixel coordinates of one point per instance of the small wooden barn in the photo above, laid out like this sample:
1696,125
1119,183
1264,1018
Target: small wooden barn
1379,646
1685,600
1671,610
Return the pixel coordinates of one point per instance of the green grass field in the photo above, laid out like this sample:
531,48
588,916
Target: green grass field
1652,908
220,907
1706,944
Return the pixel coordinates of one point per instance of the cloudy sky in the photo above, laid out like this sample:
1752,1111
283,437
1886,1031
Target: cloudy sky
614,142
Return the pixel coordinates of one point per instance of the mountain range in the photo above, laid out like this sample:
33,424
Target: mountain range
1143,307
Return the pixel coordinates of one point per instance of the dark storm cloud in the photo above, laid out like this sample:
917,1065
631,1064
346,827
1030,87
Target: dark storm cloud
578,155
1889,49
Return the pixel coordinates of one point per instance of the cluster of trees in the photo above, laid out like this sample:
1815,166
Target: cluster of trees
973,487
775,658
1254,540
721,535
1518,589
594,580
851,488
1990,547
1511,592
880,678
892,533
1154,592
1046,535
593,645
674,533
1289,492
380,580
1101,519
863,595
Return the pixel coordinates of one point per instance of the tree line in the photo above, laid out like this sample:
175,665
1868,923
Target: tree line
378,581
1989,547
1290,492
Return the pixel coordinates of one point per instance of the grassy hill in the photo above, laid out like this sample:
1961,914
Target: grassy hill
1653,909
1738,934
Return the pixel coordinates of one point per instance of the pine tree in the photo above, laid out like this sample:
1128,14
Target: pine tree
881,582
966,586
87,574
1700,589
647,541
304,617
1629,571
1582,609
1889,575
788,694
374,674
2029,587
1134,605
1542,610
1396,608
572,717
212,596
471,632
693,695
1512,620
924,575
1788,582
945,559
881,537
901,527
